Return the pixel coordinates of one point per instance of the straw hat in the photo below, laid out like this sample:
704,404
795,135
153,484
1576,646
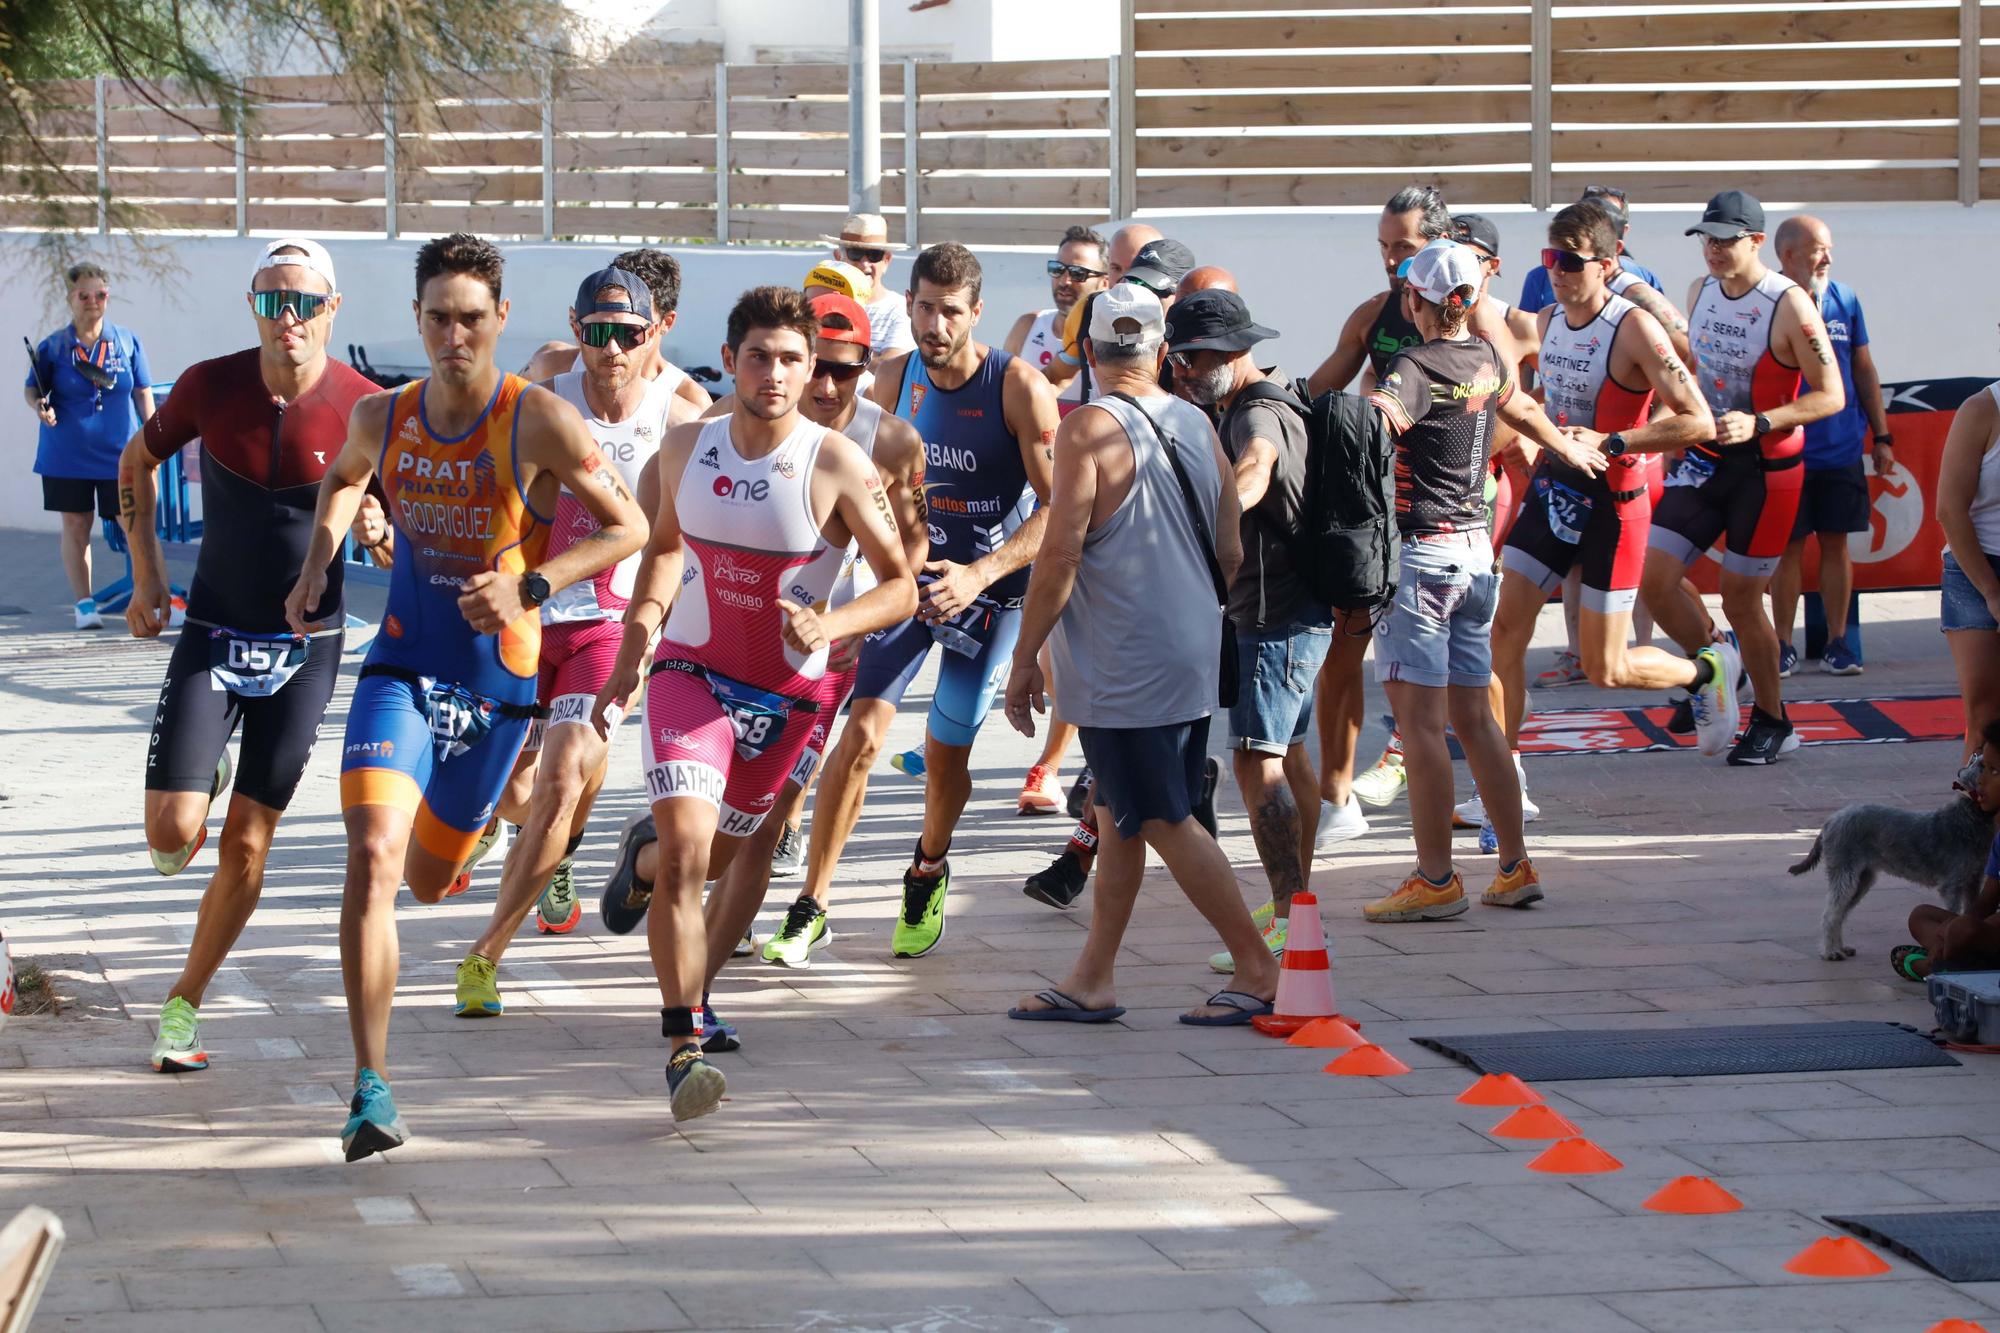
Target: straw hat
869,229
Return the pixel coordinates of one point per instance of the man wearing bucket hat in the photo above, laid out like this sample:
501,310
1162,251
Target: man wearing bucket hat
864,242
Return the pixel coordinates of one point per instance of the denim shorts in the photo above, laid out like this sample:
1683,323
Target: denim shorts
1277,669
1439,630
1960,604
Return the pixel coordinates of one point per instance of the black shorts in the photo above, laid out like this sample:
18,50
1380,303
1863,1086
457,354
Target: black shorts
1834,499
1610,546
1146,773
194,720
1740,498
72,495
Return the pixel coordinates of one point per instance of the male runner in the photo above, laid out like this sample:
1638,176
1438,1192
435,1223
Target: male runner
987,421
1604,361
614,320
1536,293
471,461
661,273
1756,335
268,418
751,506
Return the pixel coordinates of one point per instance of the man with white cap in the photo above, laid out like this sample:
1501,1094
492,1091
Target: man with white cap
270,419
1141,544
864,242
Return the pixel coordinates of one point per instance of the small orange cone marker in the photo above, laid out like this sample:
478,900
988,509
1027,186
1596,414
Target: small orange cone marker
1536,1122
1305,977
1575,1157
1329,1034
1836,1256
1499,1090
1955,1326
1369,1060
1693,1194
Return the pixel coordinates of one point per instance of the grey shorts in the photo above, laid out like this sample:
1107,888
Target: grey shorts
1439,630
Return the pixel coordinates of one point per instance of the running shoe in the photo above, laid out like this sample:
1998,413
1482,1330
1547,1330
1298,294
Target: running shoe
1041,793
1489,839
372,1123
1763,741
625,899
223,772
178,1049
1264,915
1681,723
1514,888
1079,795
1472,813
1788,661
1204,806
1339,823
910,763
746,946
1417,899
478,988
717,1037
920,925
463,879
1567,671
1274,937
805,930
172,863
1714,701
87,616
694,1086
790,857
559,909
1839,660
1381,785
1061,884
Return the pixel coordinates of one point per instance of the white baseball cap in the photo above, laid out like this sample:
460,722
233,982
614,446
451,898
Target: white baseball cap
1440,268
1127,300
311,255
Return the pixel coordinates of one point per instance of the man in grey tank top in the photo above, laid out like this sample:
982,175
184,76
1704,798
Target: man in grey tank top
1123,585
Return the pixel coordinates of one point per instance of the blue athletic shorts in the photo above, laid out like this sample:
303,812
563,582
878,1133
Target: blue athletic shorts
966,685
389,757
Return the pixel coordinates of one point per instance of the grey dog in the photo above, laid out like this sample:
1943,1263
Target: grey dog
1943,849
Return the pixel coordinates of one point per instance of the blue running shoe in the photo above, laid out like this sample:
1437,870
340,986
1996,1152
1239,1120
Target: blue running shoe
373,1125
1788,661
910,763
694,1086
625,899
1838,660
1489,841
716,1035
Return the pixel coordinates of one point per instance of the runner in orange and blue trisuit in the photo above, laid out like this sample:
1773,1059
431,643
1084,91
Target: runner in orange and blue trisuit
471,461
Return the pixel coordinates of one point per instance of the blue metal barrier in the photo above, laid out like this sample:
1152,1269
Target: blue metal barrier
173,520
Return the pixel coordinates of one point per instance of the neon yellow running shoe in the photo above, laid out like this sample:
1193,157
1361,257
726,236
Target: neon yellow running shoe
1274,931
478,989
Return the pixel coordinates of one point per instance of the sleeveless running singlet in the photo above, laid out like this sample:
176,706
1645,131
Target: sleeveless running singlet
1623,279
1580,389
751,538
851,575
627,445
975,482
1738,370
1044,341
459,509
1390,333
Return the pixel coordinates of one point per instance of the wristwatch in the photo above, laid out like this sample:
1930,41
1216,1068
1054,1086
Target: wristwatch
534,589
1762,424
1886,438
1614,445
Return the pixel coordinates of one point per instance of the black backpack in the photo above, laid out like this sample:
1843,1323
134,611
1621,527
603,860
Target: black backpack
1346,551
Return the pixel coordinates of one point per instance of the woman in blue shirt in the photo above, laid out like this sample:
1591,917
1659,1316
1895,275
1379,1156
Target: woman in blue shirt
92,389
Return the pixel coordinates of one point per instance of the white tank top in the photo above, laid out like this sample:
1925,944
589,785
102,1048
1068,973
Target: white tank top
851,575
1044,340
1732,345
750,538
626,445
1623,279
1986,498
1581,391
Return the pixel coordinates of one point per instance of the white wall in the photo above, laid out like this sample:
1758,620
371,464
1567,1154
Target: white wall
963,30
1301,274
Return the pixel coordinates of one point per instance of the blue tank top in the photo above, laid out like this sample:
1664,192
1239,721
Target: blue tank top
975,484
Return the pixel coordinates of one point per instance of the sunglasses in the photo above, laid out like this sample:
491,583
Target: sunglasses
93,298
1077,272
305,306
862,254
1568,260
1723,242
842,371
604,333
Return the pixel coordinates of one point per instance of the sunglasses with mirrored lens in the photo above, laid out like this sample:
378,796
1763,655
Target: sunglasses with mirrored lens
839,370
1077,272
304,305
1567,260
603,333
862,254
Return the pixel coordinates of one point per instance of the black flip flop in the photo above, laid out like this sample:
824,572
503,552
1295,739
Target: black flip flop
1243,1005
1064,1009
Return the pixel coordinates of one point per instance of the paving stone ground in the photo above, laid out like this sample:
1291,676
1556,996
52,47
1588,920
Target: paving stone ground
895,1153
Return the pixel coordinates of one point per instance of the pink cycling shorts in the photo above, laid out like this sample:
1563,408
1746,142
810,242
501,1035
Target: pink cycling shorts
832,696
577,658
697,752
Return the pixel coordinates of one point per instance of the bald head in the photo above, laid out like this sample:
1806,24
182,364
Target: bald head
1805,252
1205,277
1125,247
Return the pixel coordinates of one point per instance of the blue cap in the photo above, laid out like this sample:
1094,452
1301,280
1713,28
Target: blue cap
638,296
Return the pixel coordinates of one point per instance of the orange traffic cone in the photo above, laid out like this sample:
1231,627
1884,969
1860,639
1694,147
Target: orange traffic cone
1305,981
1329,1034
1693,1194
1370,1061
1499,1090
1575,1157
1955,1326
1836,1256
1536,1122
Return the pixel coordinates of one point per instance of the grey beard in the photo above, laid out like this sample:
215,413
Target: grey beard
1210,389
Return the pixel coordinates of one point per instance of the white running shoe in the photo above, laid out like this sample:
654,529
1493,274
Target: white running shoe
1339,823
87,616
1714,702
1472,813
